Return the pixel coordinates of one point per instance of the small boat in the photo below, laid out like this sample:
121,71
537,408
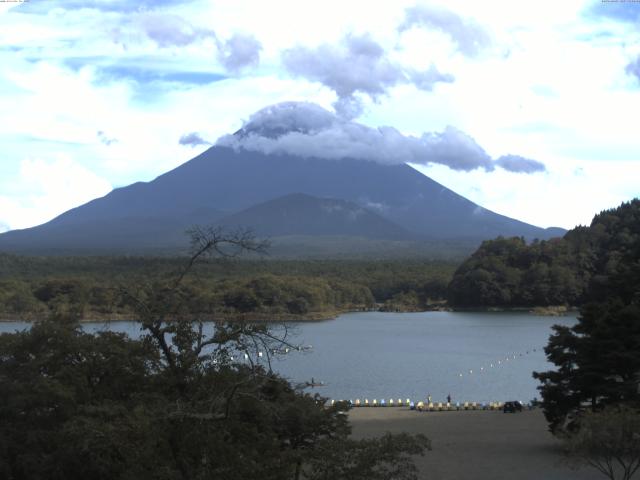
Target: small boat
313,384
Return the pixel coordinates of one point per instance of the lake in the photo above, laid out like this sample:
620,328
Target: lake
472,356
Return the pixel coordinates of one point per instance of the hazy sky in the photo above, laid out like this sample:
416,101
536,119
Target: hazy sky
529,108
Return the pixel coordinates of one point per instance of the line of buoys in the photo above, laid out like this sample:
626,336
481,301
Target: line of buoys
375,403
422,406
509,356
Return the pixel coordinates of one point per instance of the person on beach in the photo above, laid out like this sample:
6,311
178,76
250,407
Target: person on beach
428,399
449,398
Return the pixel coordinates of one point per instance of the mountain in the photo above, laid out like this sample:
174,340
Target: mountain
239,186
301,214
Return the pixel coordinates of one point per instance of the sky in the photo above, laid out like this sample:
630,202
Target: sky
529,109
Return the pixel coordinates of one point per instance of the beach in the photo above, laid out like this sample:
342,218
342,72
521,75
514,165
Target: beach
478,445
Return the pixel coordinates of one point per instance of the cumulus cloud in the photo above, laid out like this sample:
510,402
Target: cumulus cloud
516,163
469,37
358,65
456,149
239,51
169,30
634,68
427,79
307,130
192,139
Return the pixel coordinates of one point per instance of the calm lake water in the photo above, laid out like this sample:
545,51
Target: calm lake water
412,355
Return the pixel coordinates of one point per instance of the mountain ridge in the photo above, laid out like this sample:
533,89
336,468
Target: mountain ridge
221,182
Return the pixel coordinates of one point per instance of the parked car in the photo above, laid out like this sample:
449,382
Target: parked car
512,407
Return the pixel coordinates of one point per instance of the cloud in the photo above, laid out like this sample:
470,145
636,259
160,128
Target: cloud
45,188
307,130
469,37
456,149
288,117
427,79
516,163
166,30
169,30
634,68
151,74
239,52
104,139
192,139
119,6
358,65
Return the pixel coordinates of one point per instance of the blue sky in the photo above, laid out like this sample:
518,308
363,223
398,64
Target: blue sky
99,94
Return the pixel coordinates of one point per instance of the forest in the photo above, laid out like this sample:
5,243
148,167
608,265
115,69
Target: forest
222,288
508,272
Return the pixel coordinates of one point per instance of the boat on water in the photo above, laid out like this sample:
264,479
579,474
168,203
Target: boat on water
315,384
312,384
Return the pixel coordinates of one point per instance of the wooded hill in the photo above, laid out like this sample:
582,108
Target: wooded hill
508,272
91,287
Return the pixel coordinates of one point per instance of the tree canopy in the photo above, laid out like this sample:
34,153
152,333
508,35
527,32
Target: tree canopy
572,270
598,359
35,287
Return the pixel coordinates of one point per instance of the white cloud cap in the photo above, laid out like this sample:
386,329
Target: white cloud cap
307,130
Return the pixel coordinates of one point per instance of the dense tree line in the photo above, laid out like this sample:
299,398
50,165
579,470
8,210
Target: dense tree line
34,287
569,270
598,359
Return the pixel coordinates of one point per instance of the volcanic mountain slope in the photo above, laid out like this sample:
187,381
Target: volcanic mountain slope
221,182
301,214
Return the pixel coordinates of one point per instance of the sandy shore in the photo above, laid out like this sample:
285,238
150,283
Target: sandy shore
476,444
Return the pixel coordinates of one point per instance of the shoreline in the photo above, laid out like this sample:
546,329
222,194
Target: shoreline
543,311
255,317
261,317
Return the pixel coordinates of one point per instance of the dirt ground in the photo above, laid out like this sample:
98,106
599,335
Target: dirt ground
476,445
